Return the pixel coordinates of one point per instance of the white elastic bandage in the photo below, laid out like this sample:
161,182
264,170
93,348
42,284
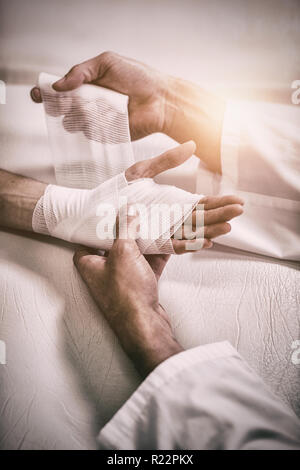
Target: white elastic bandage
88,133
90,142
88,216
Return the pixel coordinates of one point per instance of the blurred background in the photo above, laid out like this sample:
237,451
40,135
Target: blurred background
239,47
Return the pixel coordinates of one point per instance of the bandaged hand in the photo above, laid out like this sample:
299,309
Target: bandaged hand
88,216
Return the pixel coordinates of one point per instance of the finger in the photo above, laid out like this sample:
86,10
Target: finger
153,166
86,72
35,94
216,230
183,246
125,232
157,263
127,223
86,260
220,214
213,202
187,232
73,79
73,120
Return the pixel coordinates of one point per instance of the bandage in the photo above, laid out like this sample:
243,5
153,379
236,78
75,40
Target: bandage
90,142
88,133
88,216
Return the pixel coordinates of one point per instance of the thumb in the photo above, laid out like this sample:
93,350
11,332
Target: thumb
87,262
73,79
153,166
126,229
85,72
127,223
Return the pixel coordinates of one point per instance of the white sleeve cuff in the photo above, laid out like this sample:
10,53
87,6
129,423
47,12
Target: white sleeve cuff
121,427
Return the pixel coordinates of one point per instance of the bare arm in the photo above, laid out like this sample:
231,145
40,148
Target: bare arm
18,198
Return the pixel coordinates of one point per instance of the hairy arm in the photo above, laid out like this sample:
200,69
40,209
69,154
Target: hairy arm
18,198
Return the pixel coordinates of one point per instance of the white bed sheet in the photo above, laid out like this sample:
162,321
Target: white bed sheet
66,374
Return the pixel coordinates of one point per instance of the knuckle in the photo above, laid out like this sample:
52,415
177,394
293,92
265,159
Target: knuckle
76,68
136,171
107,56
123,247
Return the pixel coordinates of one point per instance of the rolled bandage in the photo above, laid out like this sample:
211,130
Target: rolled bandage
88,133
90,142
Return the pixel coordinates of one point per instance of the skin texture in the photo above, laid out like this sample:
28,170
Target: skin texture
157,102
18,198
123,284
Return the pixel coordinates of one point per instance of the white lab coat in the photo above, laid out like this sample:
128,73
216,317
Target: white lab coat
260,154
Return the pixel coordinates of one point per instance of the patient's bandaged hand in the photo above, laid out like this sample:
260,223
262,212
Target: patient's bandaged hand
89,137
87,216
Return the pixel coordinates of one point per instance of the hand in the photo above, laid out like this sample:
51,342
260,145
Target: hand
218,210
157,102
124,286
147,89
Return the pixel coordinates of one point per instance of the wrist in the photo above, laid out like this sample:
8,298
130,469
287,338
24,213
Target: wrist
192,113
153,351
18,198
148,339
169,94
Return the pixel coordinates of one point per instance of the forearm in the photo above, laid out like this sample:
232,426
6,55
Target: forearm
18,198
146,337
148,356
193,113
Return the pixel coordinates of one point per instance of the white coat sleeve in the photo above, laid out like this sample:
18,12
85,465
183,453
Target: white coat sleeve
203,398
260,157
